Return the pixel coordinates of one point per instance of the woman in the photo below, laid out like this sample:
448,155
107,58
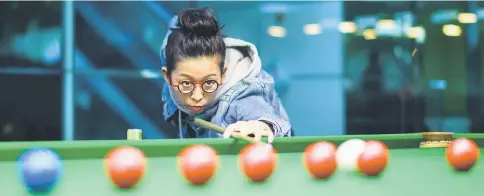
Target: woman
217,79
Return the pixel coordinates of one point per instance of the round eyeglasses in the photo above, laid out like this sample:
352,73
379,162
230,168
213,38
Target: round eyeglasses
186,87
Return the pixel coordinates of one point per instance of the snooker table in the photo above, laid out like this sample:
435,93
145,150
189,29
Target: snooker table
411,170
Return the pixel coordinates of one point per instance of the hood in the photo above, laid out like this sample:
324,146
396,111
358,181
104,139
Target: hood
241,59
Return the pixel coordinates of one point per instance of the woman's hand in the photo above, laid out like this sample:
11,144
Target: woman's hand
254,128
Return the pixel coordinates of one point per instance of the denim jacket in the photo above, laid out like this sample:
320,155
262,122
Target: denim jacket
250,99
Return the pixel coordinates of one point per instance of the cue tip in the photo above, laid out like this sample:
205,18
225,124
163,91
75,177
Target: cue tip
190,118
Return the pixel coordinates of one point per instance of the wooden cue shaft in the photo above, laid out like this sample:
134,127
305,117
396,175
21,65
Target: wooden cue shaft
219,129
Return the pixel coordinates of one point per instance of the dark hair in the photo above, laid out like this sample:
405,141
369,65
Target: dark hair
197,35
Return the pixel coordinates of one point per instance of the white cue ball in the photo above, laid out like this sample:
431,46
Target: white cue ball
348,152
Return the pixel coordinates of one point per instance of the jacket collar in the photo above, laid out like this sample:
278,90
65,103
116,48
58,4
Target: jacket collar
169,107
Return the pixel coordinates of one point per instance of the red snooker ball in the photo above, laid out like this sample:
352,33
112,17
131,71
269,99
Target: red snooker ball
125,166
374,158
462,154
198,163
258,161
320,160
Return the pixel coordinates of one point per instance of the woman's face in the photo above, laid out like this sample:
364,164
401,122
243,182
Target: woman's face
195,81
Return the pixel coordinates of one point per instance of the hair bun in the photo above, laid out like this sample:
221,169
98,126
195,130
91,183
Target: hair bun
198,21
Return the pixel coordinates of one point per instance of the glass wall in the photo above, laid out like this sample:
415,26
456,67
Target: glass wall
30,71
340,67
417,65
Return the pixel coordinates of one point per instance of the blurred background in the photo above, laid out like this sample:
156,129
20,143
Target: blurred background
90,70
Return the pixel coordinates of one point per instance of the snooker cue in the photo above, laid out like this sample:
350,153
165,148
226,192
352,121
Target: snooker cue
210,126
